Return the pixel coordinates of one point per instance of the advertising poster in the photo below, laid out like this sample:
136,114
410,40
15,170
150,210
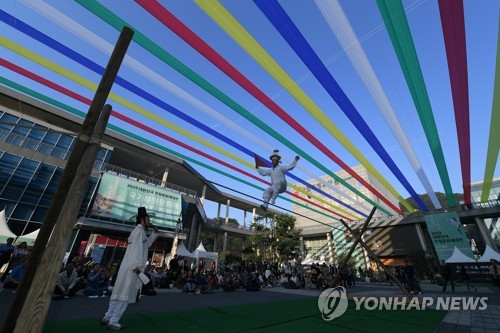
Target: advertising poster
119,198
446,232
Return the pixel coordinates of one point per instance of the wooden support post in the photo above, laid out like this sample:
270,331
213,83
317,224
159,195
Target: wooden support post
67,179
32,315
353,247
386,270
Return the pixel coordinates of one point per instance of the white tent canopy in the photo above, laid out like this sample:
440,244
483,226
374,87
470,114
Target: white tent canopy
5,231
489,254
307,261
28,238
182,251
458,257
201,253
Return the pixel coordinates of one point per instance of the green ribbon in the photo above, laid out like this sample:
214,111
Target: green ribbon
397,26
494,140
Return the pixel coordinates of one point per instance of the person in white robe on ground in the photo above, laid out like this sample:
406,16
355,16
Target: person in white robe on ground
278,180
127,283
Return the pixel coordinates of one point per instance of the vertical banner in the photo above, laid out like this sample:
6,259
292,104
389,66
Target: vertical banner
119,198
446,232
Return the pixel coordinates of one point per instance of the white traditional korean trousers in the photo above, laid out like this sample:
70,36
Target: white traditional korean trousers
127,283
278,181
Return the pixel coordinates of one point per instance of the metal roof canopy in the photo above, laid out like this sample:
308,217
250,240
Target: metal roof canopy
145,159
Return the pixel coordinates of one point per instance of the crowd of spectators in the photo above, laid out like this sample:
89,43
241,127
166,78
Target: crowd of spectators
253,276
82,276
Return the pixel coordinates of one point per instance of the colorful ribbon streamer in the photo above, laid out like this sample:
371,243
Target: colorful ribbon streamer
452,21
98,69
117,23
91,38
339,24
494,138
289,31
397,26
188,36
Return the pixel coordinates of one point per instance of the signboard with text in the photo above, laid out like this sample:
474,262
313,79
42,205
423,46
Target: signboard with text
446,232
119,198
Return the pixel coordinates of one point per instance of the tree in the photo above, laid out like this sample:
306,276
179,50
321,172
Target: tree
281,241
427,201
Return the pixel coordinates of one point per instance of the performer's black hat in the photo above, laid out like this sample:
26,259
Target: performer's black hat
141,213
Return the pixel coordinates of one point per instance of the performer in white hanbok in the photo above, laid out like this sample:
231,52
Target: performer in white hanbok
278,180
128,284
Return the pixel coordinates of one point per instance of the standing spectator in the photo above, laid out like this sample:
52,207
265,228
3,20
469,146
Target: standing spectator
127,283
495,272
6,251
66,282
466,278
447,275
411,283
15,276
18,256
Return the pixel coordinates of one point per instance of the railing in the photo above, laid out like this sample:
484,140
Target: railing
482,205
218,224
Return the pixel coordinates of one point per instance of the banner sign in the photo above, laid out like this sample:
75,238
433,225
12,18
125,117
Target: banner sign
446,232
119,198
477,272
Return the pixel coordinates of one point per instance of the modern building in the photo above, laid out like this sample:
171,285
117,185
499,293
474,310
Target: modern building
306,219
36,140
393,239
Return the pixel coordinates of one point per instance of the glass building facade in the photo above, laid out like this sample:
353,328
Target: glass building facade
27,182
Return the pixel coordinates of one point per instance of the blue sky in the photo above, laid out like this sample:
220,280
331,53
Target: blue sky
481,18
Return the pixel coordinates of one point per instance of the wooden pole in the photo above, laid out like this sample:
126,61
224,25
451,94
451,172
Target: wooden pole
353,247
67,178
32,315
367,248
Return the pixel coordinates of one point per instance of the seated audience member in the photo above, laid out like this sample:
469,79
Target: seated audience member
244,278
329,283
294,282
148,289
15,276
202,283
66,282
308,281
94,279
214,281
253,283
81,272
228,282
104,284
283,282
189,283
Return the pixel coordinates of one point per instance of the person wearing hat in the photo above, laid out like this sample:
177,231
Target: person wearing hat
127,283
278,180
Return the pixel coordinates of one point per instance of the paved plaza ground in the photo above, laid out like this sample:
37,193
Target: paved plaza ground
172,301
